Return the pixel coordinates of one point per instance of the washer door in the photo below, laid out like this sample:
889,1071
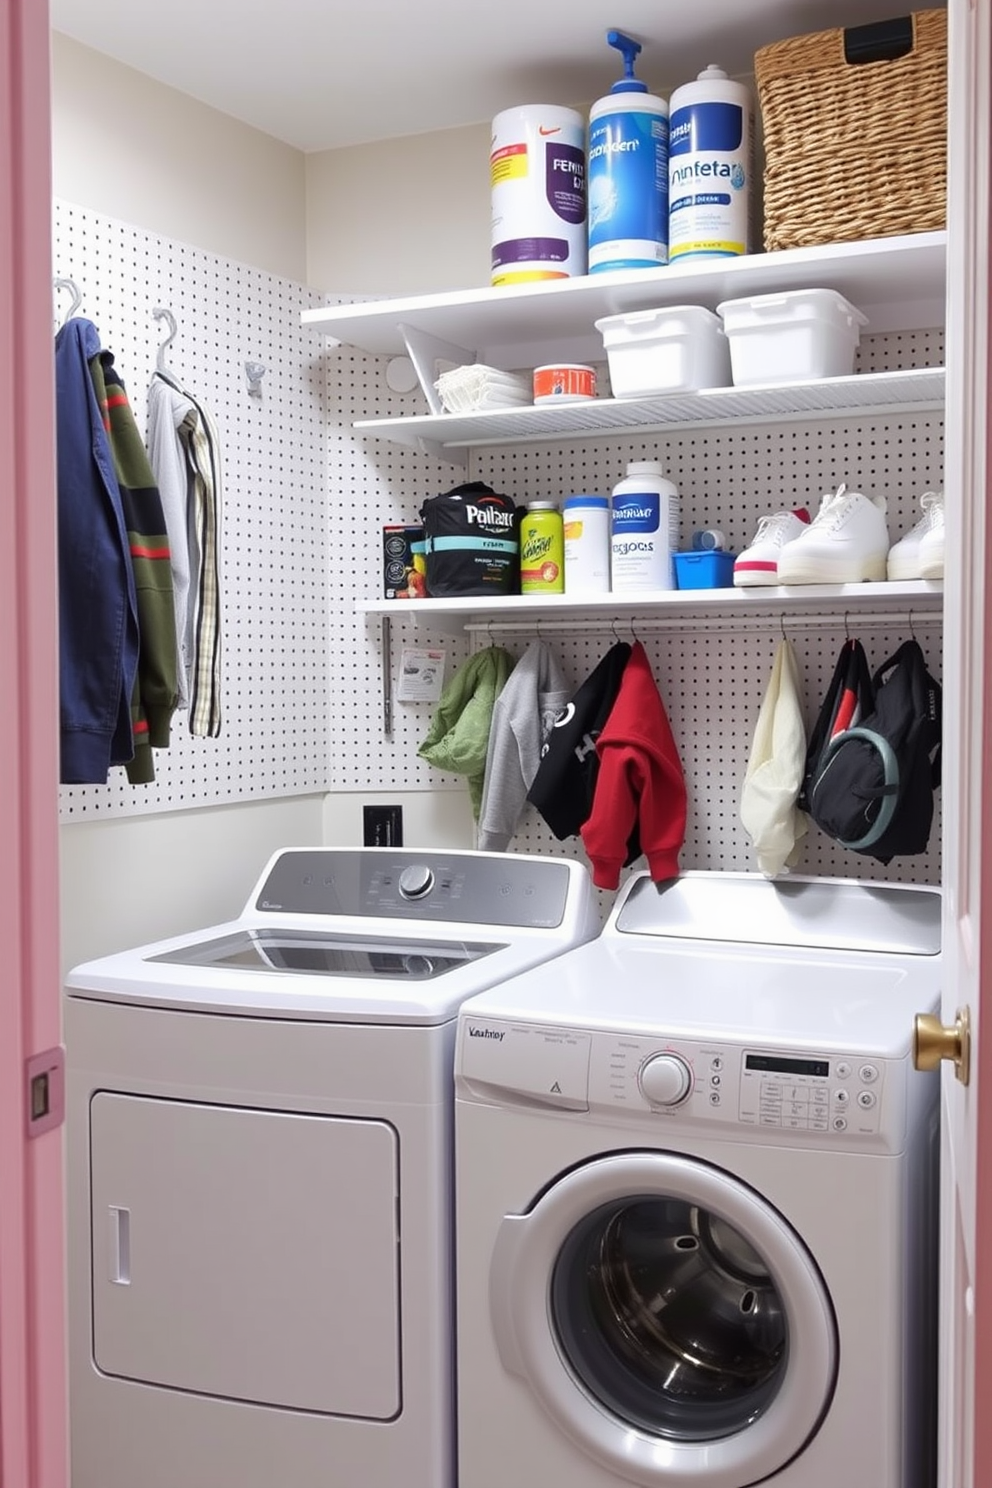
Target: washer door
668,1319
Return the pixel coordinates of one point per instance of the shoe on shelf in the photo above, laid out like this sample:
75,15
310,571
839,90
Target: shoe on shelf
758,564
847,542
906,556
932,543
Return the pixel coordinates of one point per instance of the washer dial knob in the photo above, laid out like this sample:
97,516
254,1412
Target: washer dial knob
416,881
665,1079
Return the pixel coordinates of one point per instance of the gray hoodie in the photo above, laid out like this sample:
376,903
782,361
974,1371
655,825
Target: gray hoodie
523,716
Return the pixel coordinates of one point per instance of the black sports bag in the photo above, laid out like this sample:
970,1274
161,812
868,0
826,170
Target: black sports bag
872,786
472,542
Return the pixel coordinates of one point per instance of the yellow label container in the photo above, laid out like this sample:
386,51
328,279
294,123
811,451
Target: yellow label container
542,549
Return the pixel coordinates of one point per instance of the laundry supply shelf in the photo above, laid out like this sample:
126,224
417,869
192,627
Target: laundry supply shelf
679,608
897,282
916,390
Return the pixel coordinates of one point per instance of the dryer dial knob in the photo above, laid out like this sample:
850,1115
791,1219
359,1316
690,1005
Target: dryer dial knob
416,881
665,1079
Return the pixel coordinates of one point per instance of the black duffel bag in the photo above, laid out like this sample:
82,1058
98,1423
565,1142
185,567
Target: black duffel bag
472,542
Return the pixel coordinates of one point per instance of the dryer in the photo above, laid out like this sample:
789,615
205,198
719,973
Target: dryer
259,1167
696,1178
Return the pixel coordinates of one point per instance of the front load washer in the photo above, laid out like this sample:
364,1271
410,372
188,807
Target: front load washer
696,1196
260,1166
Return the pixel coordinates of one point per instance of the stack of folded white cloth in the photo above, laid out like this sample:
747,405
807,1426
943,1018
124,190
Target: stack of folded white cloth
471,389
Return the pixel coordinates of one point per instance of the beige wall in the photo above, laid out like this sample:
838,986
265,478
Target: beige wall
133,149
134,879
406,216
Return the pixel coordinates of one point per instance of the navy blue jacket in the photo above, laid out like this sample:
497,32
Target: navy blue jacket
98,615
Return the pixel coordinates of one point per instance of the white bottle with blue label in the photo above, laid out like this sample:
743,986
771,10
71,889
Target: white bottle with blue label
710,166
644,530
627,171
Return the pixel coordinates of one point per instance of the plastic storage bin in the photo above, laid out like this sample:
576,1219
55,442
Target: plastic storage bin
675,350
791,337
704,570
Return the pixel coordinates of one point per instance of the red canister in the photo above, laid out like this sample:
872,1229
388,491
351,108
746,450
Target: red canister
564,382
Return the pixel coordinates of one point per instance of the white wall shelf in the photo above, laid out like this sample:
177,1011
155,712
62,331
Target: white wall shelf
916,390
898,282
807,604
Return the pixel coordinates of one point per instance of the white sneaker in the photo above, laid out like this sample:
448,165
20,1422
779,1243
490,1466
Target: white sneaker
758,564
847,542
932,543
906,556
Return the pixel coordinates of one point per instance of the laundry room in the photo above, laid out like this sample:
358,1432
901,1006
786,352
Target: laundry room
308,288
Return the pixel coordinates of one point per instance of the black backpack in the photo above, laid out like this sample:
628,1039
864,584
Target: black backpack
870,786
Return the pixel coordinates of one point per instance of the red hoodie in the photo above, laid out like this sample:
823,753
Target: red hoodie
640,782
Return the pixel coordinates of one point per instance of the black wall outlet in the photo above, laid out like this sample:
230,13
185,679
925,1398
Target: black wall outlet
382,826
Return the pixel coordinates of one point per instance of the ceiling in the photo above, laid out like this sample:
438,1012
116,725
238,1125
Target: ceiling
319,74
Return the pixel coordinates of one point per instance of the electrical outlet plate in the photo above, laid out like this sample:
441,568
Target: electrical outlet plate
382,826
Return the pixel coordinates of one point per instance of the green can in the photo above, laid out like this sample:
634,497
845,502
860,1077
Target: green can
542,549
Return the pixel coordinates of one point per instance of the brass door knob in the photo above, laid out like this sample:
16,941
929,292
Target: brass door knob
932,1042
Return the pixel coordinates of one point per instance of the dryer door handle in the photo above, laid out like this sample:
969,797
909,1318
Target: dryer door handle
119,1235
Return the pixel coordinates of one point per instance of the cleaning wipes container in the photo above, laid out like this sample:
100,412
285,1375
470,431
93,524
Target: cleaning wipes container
628,172
537,169
644,529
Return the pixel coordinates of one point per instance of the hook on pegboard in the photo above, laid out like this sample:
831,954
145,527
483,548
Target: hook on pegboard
254,372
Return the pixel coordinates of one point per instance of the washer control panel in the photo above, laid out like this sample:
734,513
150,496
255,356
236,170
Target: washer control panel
732,1090
829,1095
809,1094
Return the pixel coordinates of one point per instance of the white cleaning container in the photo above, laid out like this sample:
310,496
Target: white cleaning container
537,171
796,336
644,529
586,531
676,349
710,168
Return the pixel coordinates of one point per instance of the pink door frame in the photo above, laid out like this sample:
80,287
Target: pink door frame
32,1328
32,1341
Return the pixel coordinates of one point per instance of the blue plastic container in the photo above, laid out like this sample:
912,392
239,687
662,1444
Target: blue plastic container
704,570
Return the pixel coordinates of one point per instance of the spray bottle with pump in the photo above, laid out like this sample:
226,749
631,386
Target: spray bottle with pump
628,172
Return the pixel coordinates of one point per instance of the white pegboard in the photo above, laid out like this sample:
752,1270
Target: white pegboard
371,483
712,683
274,555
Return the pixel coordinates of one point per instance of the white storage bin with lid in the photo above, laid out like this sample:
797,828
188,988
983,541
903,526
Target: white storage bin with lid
674,350
796,336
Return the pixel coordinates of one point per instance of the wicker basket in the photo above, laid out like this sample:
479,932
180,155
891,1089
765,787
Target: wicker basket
854,149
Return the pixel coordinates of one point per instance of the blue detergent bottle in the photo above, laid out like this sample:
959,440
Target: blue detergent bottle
628,172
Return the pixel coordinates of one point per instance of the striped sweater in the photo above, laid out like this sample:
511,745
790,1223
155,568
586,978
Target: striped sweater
155,692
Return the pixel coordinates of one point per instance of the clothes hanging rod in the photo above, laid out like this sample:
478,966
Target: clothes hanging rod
623,628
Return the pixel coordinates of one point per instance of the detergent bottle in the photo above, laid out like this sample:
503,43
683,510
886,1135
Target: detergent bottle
627,172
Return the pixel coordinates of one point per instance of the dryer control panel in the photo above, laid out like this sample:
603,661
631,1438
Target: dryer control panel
387,883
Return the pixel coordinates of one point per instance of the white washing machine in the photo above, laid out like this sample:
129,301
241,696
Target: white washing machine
696,1179
259,1167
